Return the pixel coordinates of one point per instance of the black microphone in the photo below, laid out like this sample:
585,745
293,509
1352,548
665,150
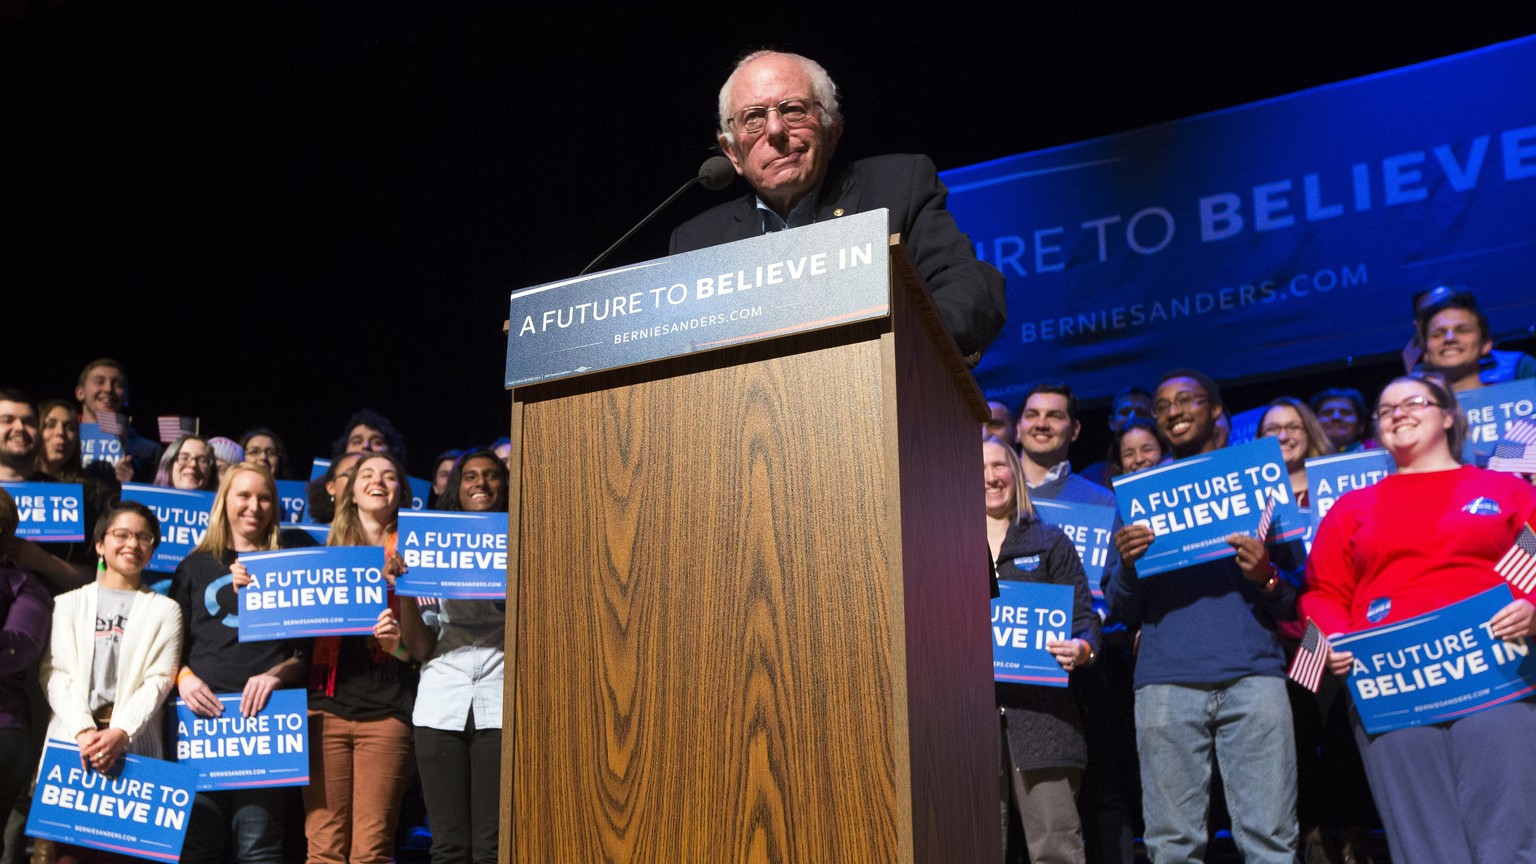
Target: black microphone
715,174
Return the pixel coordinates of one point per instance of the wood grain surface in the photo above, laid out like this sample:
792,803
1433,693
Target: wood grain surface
713,617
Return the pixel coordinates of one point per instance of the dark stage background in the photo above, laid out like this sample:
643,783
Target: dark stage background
275,213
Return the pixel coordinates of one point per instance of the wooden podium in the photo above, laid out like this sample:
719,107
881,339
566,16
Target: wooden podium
747,609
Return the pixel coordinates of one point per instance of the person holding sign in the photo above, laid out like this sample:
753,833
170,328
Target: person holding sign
1289,421
362,690
244,518
1421,539
1045,752
458,705
112,657
1210,672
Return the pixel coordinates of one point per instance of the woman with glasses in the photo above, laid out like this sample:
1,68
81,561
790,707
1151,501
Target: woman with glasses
1301,437
245,518
1045,752
362,690
187,464
1419,540
458,704
263,447
113,654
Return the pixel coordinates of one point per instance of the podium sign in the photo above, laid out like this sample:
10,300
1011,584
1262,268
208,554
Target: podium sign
819,276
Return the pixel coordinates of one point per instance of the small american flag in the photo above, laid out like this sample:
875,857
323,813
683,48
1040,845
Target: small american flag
1307,668
112,423
1519,564
1267,517
1516,451
176,427
1412,353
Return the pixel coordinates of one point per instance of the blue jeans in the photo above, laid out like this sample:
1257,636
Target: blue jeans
241,825
1246,724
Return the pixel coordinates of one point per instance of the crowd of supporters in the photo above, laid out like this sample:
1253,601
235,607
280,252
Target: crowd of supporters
1177,701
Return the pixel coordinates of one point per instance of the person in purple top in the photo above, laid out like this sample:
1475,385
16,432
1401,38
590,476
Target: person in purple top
25,614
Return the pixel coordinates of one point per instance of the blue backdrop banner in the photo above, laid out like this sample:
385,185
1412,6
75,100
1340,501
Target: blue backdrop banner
1287,233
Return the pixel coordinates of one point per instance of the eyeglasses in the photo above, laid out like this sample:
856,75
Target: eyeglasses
1276,430
262,452
189,459
1183,401
1411,405
792,112
124,536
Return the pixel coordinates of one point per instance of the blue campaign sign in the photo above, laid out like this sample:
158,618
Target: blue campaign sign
461,555
232,751
320,533
1329,477
1025,616
141,812
1192,504
293,497
420,489
48,512
322,591
318,468
1490,411
98,446
1278,231
1309,533
1089,527
1244,425
183,516
1437,667
823,275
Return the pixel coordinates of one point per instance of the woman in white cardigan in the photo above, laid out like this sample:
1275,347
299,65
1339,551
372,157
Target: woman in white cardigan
115,648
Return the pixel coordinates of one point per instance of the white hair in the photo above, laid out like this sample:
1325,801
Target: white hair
822,88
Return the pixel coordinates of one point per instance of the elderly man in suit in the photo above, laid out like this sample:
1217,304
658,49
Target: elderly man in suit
779,125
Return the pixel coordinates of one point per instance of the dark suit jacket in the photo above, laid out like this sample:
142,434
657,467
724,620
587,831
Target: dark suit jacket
969,293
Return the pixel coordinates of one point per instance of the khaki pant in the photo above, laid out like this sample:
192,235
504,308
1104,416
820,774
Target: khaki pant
358,773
